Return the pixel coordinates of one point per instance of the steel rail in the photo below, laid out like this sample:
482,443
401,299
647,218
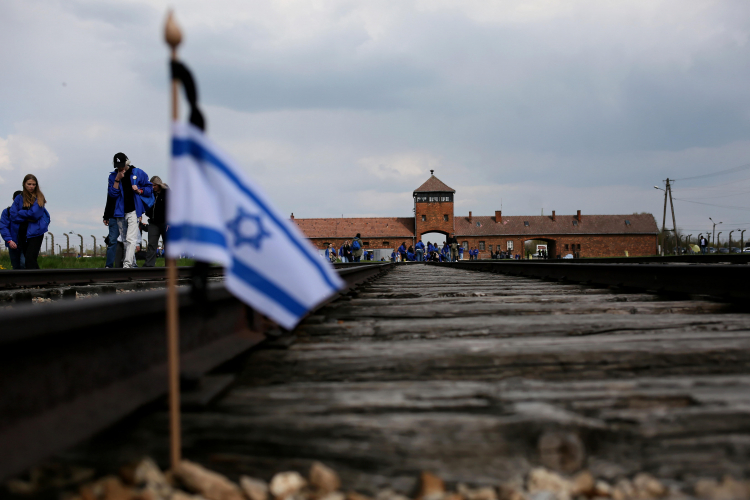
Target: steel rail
13,279
50,277
69,369
684,259
723,281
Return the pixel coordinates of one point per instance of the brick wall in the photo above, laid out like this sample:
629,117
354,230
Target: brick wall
597,245
434,217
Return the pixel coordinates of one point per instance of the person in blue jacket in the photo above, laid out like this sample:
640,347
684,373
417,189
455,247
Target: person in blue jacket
460,252
32,218
419,247
127,185
9,231
402,251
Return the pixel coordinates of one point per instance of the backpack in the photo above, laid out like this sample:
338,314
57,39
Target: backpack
148,201
45,220
356,245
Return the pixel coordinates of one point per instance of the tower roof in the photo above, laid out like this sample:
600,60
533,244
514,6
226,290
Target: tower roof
433,184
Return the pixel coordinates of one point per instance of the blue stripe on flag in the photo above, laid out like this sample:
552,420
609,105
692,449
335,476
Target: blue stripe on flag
200,234
189,147
267,288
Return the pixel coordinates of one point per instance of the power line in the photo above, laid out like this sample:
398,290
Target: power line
720,172
713,205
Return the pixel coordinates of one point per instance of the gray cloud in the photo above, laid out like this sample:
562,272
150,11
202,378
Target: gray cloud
344,107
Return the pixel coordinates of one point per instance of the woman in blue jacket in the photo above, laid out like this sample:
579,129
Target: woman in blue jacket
32,218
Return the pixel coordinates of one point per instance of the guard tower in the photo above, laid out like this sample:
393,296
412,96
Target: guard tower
433,207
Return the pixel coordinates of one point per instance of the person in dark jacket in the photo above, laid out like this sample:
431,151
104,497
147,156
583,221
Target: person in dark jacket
32,218
127,184
9,231
157,220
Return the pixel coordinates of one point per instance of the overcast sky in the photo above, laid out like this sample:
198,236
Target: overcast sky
339,107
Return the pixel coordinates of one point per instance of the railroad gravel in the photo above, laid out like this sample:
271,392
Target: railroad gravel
190,481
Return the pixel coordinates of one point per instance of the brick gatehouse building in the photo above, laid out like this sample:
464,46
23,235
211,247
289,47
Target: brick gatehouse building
582,234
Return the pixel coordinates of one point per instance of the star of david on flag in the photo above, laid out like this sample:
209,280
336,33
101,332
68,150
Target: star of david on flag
216,214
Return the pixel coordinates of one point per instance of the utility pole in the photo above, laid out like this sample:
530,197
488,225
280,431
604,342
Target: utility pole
668,196
730,239
674,223
53,242
94,244
67,244
742,240
81,243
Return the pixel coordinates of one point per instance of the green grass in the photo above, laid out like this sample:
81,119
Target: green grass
83,263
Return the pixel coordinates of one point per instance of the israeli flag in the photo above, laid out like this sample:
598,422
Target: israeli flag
216,214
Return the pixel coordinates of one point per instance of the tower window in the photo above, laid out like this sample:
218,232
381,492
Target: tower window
424,218
445,217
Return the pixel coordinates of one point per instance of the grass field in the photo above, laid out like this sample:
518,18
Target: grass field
83,263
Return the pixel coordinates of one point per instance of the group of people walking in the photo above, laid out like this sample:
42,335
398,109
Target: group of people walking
351,251
24,223
130,195
451,251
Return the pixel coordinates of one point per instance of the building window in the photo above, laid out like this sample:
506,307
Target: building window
526,223
445,217
365,243
434,197
509,245
489,247
424,218
627,222
575,222
465,244
386,243
566,246
579,247
481,245
479,224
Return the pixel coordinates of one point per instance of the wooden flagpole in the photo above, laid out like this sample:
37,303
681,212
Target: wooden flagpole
173,37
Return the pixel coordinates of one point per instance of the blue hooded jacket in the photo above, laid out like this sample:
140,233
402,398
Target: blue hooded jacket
419,246
8,229
138,178
37,217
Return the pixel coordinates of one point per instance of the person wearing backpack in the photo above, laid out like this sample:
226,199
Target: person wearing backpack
420,251
9,231
129,186
32,218
357,248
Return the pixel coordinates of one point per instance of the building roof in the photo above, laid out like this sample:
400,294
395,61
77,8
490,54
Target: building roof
432,185
368,227
564,224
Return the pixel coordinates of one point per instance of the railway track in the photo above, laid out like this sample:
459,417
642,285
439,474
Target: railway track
69,369
476,376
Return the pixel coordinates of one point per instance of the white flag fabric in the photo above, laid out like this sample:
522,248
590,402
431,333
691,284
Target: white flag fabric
216,214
